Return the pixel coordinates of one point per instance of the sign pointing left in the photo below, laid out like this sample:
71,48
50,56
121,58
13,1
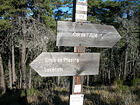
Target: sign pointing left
66,64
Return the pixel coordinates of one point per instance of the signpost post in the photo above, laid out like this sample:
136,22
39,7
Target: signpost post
80,13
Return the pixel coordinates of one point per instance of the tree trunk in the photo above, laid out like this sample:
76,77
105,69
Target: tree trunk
2,75
109,77
10,74
58,81
110,65
133,66
23,64
120,72
13,64
20,80
23,56
88,80
30,78
125,65
103,75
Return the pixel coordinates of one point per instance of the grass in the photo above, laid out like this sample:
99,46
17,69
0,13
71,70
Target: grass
97,95
110,95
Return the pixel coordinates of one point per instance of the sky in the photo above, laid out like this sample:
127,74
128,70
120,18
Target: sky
64,9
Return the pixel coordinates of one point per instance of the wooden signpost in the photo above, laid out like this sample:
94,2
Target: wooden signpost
79,34
66,64
87,35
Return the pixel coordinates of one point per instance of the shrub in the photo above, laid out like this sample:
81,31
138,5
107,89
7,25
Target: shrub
118,82
22,93
136,82
32,92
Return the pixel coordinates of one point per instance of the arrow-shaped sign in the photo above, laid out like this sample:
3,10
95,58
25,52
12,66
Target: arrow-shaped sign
87,35
66,64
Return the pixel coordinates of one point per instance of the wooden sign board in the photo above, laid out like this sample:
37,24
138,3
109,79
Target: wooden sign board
76,99
81,10
66,64
77,88
87,35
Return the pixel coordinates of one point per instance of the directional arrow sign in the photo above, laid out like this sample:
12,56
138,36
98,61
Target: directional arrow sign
87,35
66,64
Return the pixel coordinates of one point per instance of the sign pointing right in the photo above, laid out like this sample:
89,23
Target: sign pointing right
87,35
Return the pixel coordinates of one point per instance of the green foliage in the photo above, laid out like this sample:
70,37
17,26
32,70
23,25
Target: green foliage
123,89
136,82
118,82
33,92
50,22
23,94
105,12
120,87
30,92
4,25
51,45
10,7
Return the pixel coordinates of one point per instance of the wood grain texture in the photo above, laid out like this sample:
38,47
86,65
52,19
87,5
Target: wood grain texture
87,35
66,64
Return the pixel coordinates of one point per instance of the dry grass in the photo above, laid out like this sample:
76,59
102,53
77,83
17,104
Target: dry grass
98,95
111,96
64,98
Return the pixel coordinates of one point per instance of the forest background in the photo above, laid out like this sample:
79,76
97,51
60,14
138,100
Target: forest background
28,27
